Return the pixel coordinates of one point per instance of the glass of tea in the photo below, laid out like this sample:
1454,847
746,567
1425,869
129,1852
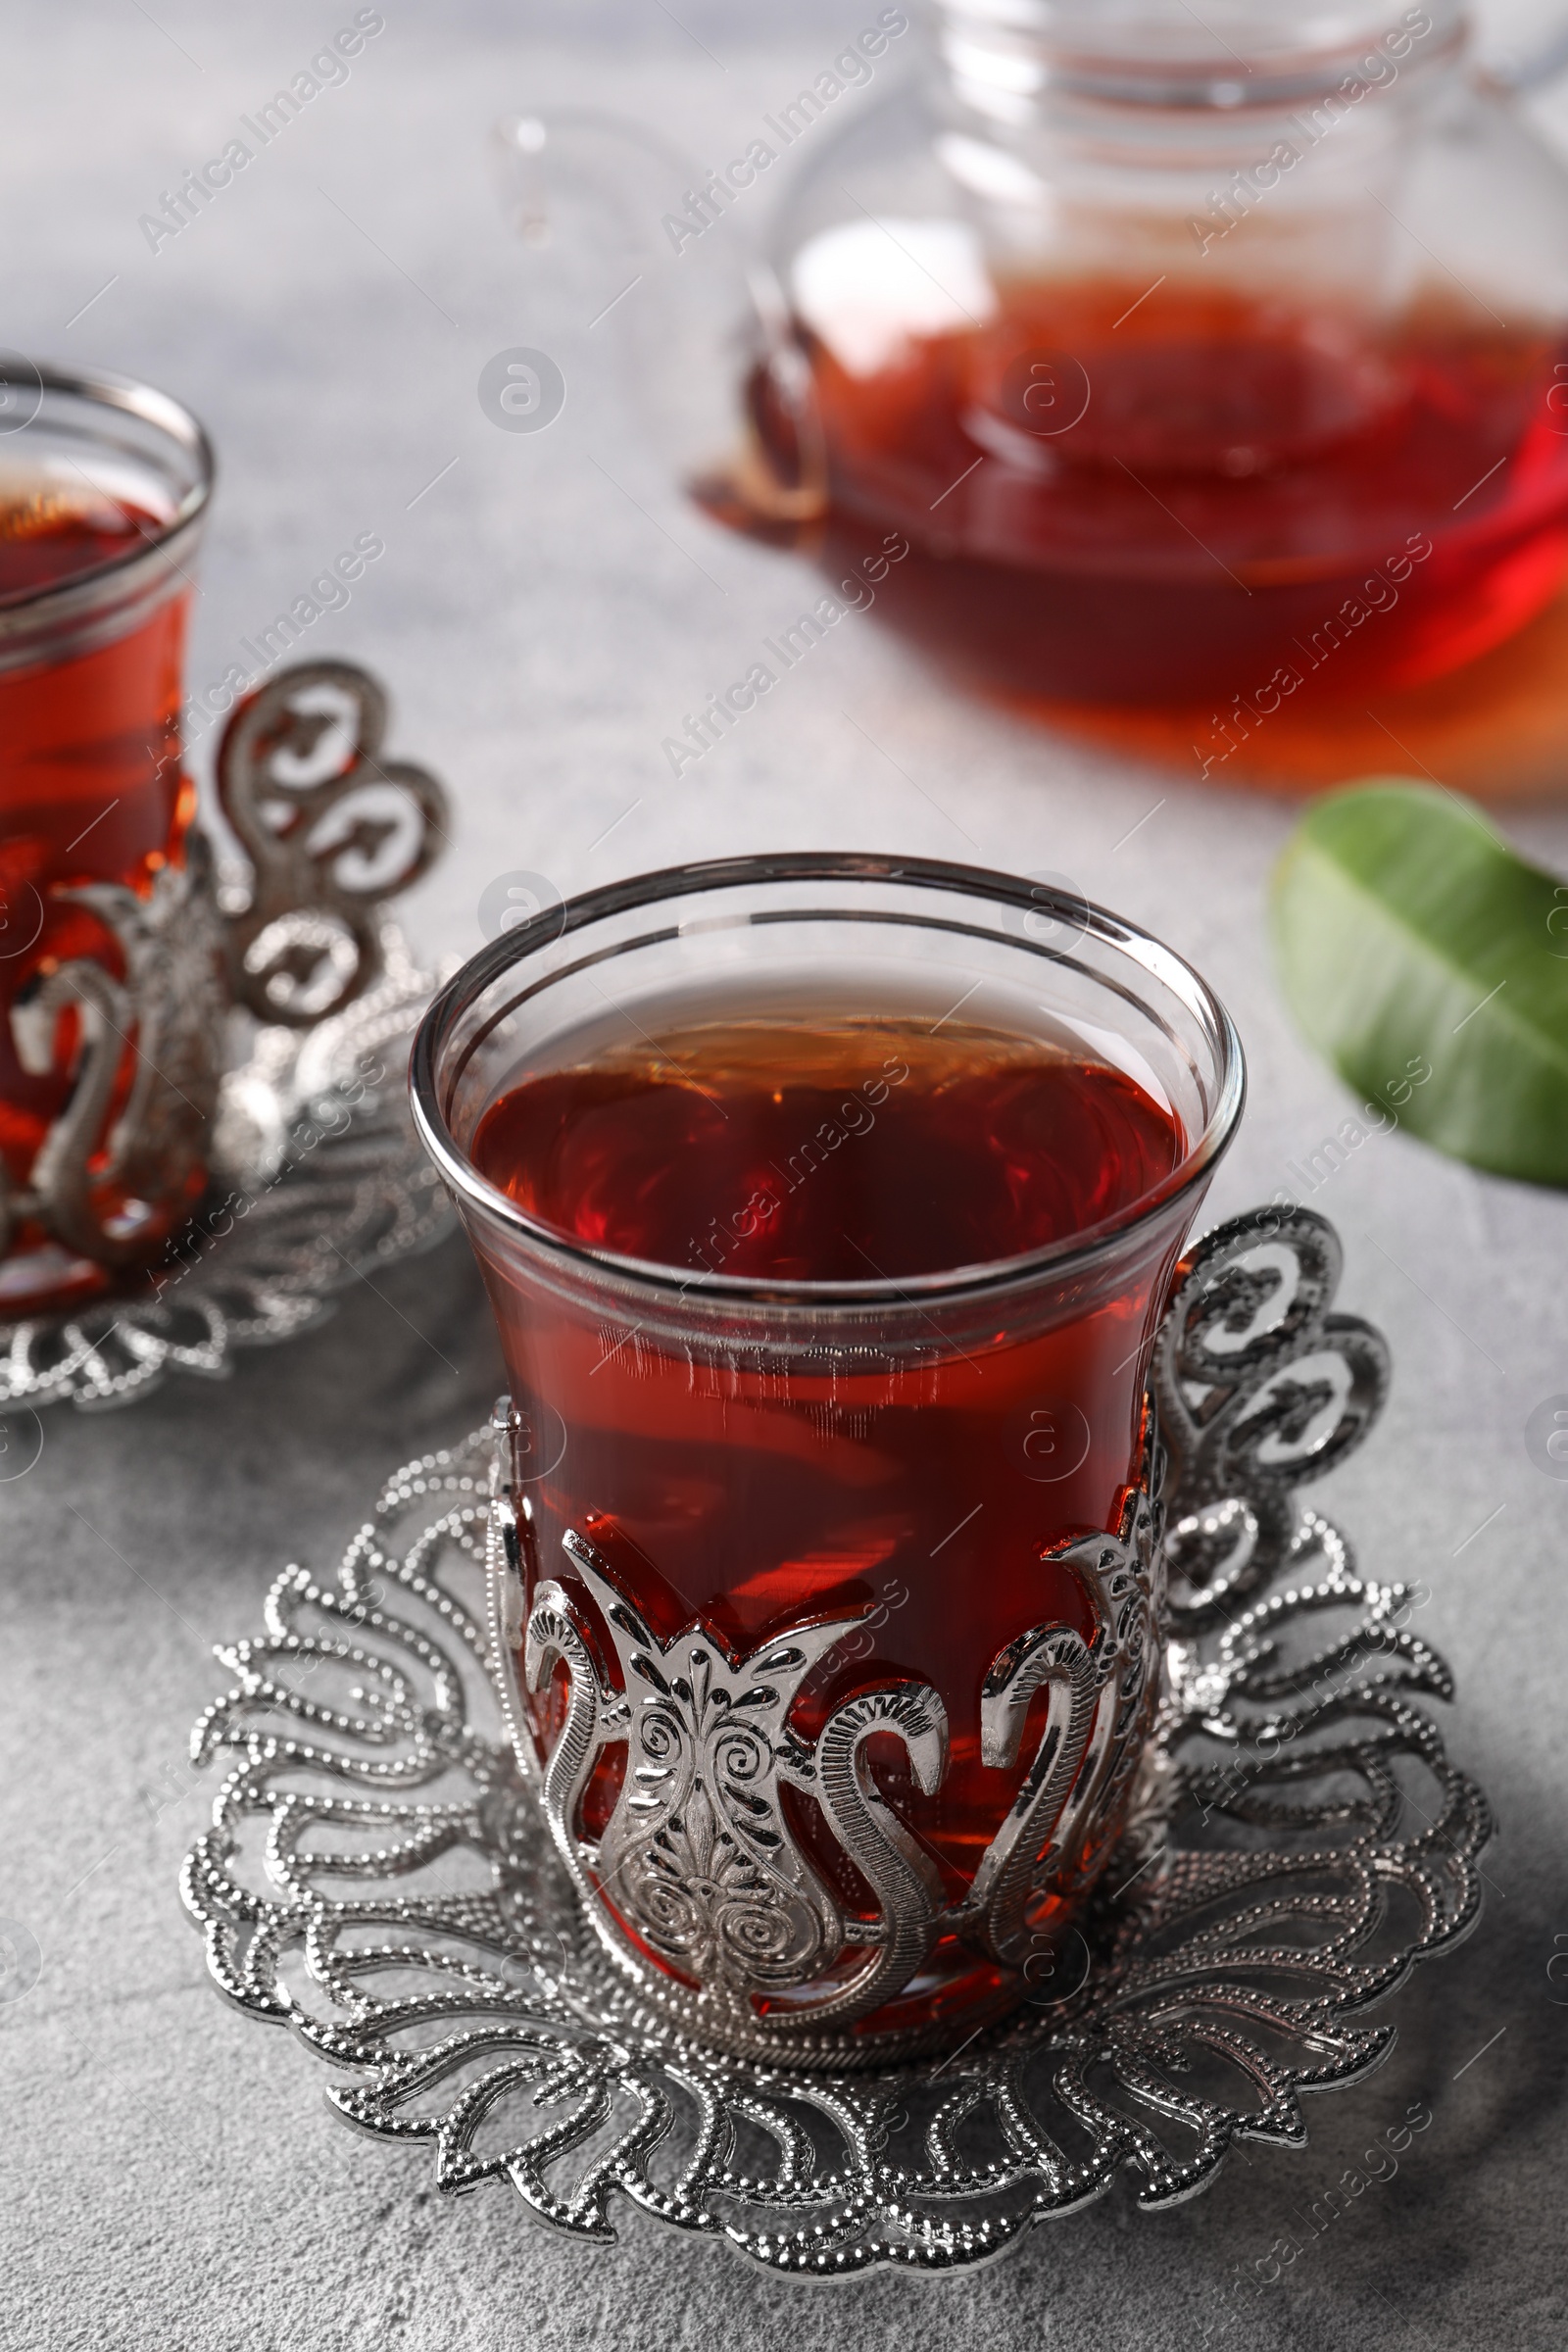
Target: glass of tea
104,487
828,1208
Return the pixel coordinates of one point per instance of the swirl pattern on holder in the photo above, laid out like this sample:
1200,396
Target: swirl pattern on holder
330,827
1259,1387
700,1866
697,1860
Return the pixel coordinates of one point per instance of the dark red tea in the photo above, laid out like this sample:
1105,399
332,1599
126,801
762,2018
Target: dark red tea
91,790
817,1155
1118,493
926,1484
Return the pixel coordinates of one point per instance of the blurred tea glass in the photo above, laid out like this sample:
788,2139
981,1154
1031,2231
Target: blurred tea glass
104,488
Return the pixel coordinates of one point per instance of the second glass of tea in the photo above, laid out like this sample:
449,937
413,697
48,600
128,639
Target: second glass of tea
828,1208
104,490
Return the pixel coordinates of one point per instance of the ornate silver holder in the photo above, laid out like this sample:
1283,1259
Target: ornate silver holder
380,1875
267,1011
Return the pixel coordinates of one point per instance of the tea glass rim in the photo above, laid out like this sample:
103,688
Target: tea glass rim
131,397
1068,1257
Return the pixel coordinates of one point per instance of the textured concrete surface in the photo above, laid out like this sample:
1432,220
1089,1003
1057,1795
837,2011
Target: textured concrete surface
545,611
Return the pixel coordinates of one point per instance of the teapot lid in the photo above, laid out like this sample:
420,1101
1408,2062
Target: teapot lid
1231,53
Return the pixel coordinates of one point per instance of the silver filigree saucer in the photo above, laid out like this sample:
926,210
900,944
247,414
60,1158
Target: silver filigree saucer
316,1179
378,1876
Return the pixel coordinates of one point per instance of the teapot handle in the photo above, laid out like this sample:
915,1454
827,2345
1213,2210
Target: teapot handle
602,203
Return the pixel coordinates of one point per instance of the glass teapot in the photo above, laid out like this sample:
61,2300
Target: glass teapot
1141,355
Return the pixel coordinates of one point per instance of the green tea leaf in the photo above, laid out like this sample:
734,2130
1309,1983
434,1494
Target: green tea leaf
1411,939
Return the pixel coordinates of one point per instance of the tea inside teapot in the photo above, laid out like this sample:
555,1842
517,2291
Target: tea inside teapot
1191,358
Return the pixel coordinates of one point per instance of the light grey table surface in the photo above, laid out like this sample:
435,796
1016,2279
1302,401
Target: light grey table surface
545,611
